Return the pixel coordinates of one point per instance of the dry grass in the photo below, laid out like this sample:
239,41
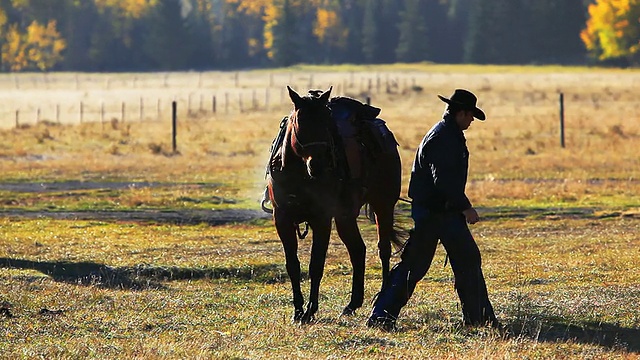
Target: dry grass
559,240
559,287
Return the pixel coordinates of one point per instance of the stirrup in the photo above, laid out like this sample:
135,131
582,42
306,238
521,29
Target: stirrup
265,200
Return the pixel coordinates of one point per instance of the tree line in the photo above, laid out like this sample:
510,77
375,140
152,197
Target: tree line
152,35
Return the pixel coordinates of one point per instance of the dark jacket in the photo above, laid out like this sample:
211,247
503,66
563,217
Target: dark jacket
439,173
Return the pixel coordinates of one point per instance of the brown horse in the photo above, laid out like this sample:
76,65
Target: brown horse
307,183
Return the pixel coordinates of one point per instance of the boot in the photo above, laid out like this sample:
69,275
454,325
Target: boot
390,300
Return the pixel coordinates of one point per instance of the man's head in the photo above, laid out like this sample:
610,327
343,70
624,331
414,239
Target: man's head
463,118
462,106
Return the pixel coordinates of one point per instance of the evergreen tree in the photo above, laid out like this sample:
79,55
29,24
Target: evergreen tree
353,14
203,54
388,30
446,23
412,46
370,31
168,38
496,32
555,31
231,45
309,50
285,45
77,27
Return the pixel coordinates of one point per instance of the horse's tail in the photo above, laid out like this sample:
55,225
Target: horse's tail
399,237
400,234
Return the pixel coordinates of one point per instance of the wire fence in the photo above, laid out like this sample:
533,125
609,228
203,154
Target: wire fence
515,100
77,98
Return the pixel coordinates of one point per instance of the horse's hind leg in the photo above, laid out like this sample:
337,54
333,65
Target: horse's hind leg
386,233
347,229
289,239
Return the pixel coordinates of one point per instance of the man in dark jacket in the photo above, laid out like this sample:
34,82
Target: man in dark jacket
440,211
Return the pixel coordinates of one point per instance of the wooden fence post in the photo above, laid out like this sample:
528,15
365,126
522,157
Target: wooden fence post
562,120
174,123
254,100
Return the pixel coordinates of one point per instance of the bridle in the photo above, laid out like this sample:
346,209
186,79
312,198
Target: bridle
300,146
294,129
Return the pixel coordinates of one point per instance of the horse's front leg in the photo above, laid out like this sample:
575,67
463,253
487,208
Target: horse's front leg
321,233
287,233
347,228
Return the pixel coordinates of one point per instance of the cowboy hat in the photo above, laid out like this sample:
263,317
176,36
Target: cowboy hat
466,100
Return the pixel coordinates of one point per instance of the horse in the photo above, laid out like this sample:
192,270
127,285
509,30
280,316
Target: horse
307,183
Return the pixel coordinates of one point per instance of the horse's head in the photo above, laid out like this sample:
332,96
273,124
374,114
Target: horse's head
311,130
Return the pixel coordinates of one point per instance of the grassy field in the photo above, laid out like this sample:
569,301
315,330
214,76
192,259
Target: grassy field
105,251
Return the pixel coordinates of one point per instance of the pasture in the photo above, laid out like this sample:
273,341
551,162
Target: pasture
113,246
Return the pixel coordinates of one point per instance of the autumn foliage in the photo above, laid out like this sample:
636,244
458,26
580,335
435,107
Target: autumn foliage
37,47
613,30
114,35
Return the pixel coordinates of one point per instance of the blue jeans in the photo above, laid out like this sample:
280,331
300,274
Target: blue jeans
464,256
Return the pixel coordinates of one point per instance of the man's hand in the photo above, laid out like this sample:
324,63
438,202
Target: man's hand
471,215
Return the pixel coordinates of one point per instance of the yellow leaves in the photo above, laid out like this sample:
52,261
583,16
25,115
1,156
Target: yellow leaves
13,50
253,7
3,17
254,46
328,28
271,14
39,47
133,8
613,29
325,20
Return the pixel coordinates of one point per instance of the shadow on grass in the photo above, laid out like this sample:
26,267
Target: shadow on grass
141,277
178,217
608,335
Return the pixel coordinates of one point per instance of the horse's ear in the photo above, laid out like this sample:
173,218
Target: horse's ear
325,96
295,98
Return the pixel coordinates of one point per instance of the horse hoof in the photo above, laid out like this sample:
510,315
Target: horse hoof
347,311
307,319
297,316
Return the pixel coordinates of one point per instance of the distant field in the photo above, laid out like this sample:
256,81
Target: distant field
113,246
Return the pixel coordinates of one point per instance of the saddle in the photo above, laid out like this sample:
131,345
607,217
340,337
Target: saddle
362,138
364,135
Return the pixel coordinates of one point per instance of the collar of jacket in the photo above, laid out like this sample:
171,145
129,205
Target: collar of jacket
450,123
